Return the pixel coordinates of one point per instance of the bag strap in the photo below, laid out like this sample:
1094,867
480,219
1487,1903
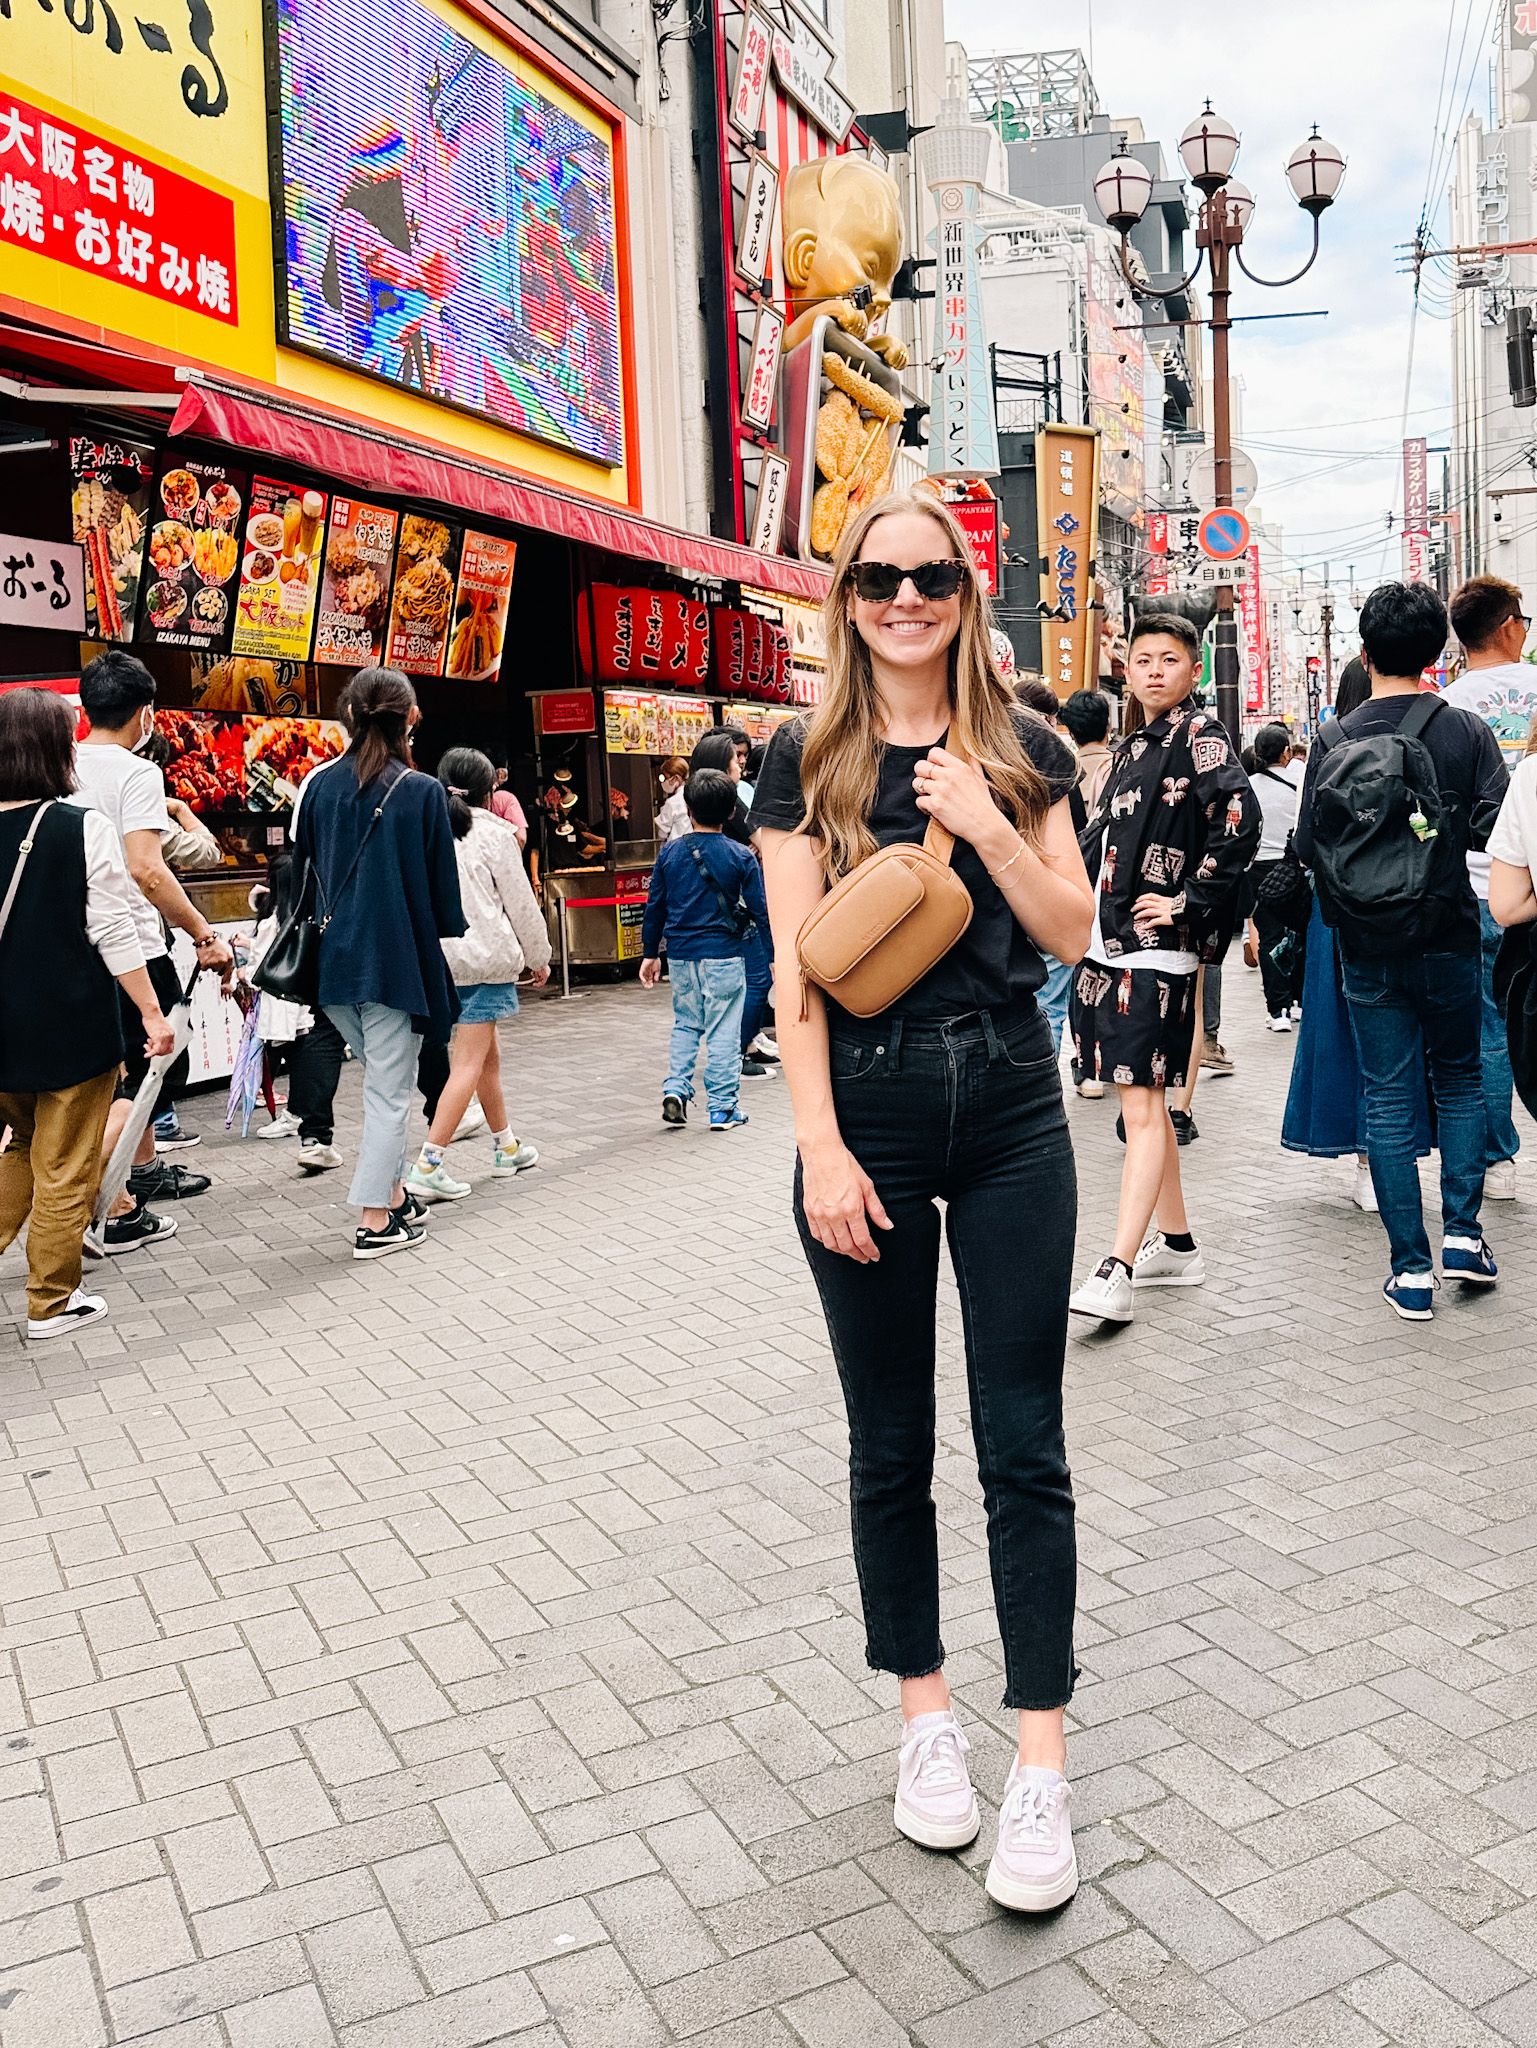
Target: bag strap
378,814
29,840
1419,715
732,911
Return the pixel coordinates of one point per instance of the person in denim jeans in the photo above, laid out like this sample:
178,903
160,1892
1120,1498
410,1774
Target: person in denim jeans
952,1095
706,896
1413,1006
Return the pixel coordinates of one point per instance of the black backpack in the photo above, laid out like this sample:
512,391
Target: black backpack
1391,874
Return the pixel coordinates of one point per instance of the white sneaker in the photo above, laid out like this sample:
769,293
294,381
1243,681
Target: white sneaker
1159,1265
1500,1181
1281,1023
1106,1294
935,1804
1034,1867
318,1158
81,1308
282,1126
1363,1194
436,1184
1090,1089
1296,1013
764,1048
471,1123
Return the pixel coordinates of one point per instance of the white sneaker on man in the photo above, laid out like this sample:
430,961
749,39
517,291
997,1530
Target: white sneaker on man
472,1122
935,1804
1158,1264
317,1158
1034,1866
283,1125
1281,1023
1500,1181
1106,1294
1363,1194
80,1309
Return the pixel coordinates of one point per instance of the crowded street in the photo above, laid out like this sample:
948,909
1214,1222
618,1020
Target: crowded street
474,1656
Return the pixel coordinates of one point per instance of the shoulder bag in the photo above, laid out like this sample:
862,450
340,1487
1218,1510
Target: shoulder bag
1284,885
885,925
737,915
290,967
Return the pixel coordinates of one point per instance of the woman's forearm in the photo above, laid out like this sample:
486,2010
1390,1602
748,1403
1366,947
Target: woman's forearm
1511,896
1050,895
803,1053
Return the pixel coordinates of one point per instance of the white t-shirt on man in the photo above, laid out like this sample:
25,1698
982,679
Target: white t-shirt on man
1505,698
129,792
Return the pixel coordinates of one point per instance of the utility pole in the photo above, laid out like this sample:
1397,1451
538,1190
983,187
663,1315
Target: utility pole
1213,235
1326,614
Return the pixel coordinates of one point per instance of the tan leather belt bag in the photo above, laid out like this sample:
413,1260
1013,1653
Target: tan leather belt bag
885,925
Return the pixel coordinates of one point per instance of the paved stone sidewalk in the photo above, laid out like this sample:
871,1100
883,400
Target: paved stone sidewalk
463,1649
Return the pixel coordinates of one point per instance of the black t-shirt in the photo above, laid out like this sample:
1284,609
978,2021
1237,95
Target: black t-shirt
1470,773
994,963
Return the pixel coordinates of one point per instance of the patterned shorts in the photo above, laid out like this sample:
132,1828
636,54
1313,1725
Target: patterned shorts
1132,1026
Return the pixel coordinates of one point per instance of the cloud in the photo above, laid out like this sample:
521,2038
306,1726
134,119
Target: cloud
1322,399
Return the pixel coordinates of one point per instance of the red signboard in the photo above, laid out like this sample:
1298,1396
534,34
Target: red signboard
651,636
1251,612
979,521
1158,533
565,711
65,193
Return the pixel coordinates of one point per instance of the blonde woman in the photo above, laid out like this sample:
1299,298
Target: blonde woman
952,1095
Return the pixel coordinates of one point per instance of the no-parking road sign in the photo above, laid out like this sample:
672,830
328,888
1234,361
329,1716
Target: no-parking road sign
1223,534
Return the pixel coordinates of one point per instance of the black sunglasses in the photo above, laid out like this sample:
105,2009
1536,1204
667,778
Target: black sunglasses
879,582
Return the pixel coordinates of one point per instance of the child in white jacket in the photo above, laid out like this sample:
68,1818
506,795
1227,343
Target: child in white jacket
506,934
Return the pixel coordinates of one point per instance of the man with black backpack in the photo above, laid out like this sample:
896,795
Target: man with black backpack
1396,794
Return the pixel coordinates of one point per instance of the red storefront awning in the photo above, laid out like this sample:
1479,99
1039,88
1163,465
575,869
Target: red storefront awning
370,459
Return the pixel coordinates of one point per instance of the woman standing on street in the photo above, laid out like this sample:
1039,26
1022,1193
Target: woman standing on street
952,1094
505,933
385,891
66,932
1276,789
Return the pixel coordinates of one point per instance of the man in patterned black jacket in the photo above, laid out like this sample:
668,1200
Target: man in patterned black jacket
1172,831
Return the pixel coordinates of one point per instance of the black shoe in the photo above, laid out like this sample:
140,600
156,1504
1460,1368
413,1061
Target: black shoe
139,1226
412,1211
397,1236
164,1183
674,1110
755,1070
1185,1132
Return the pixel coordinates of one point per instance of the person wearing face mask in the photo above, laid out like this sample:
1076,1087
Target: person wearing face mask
951,1095
117,695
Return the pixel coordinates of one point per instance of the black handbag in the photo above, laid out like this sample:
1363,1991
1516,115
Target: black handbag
1285,889
290,967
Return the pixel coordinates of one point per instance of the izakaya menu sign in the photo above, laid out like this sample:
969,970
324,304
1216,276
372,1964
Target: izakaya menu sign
355,586
480,615
423,601
280,573
66,193
197,513
109,510
752,656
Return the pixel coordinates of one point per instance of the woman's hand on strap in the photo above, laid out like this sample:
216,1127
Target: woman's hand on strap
840,1201
956,794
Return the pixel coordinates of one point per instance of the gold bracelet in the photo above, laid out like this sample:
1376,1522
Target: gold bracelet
998,873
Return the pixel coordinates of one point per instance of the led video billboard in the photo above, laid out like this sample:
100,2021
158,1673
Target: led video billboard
445,224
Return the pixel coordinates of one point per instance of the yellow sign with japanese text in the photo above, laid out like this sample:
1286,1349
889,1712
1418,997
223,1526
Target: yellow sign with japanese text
136,209
1067,532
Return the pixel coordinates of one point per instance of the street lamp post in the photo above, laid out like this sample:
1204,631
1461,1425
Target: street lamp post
1209,149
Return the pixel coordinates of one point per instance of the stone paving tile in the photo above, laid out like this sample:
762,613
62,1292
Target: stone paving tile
465,1650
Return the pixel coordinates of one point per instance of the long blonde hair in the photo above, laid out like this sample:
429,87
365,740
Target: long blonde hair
841,761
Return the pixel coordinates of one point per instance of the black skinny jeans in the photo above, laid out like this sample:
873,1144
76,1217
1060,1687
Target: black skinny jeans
1282,983
969,1113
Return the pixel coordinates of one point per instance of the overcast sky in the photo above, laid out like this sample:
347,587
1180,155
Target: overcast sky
1320,396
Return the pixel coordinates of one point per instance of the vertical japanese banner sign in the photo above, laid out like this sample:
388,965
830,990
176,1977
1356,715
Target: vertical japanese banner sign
1251,613
1067,528
1416,530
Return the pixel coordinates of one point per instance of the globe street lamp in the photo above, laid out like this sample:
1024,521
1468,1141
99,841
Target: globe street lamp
1209,149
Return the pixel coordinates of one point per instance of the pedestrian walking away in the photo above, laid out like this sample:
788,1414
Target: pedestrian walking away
953,1095
706,900
1282,949
117,696
505,933
68,929
376,837
1501,689
1396,795
1169,838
